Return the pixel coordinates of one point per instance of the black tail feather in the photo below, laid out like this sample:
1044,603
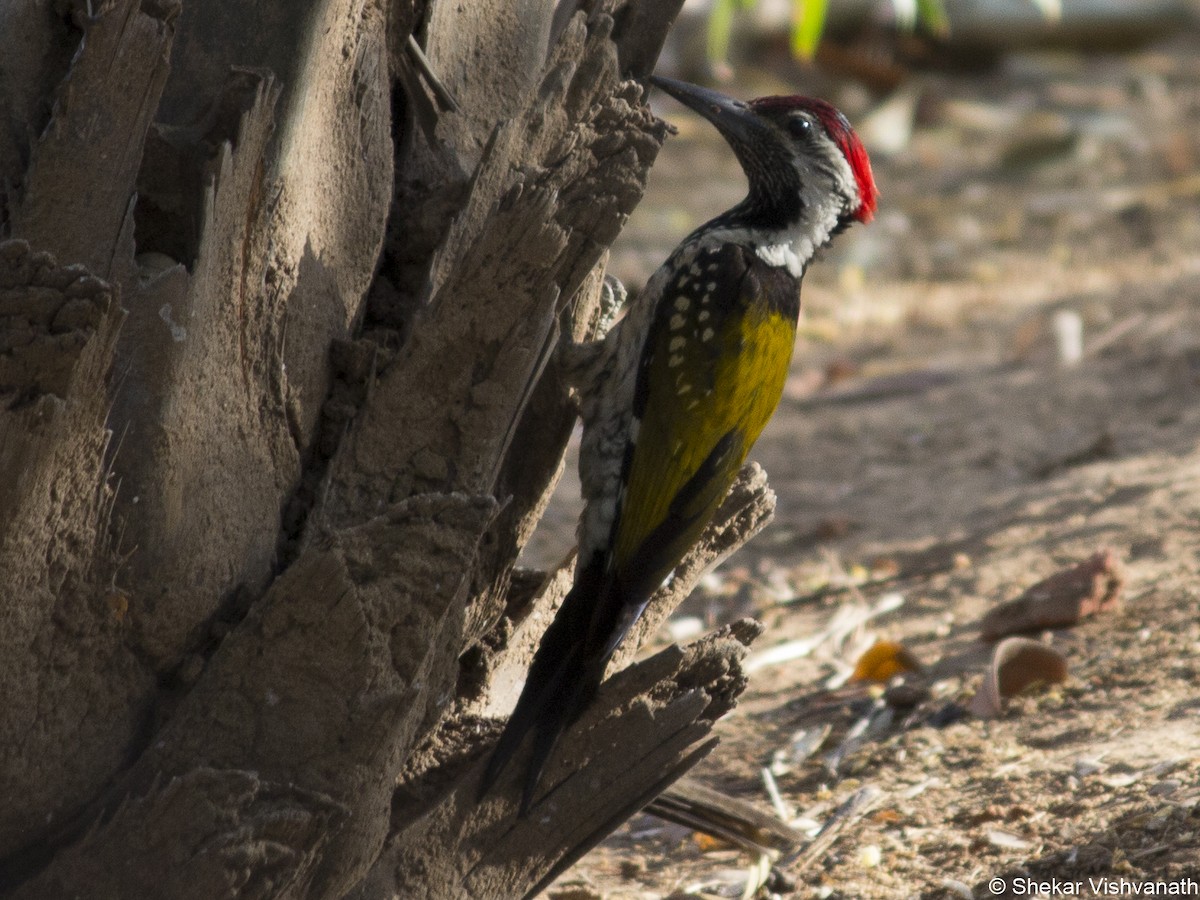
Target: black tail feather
568,702
535,699
562,680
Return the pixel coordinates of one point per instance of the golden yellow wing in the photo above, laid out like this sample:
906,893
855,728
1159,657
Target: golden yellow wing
720,346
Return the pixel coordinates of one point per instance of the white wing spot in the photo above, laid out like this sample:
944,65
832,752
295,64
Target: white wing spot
694,269
692,404
682,388
677,321
710,287
677,343
708,334
682,303
675,360
704,315
712,267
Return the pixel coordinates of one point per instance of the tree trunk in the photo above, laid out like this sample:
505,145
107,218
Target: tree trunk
278,410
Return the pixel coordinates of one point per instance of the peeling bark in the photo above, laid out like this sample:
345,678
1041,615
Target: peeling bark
202,402
746,511
277,415
319,693
77,189
62,627
655,712
533,224
69,684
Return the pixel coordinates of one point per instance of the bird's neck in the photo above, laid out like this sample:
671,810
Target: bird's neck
786,235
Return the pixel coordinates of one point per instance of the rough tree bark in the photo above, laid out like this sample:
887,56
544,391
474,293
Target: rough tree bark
278,410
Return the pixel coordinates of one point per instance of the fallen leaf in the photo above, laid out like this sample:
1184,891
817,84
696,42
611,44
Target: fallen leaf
706,843
1093,586
1017,663
883,661
1007,841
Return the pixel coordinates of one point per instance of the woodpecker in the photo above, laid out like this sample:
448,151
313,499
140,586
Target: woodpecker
681,388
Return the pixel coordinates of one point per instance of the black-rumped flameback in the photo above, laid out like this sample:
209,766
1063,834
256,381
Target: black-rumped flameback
682,388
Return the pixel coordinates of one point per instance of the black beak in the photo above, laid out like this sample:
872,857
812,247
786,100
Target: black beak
733,118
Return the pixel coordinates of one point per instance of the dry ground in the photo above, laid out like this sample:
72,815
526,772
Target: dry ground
933,445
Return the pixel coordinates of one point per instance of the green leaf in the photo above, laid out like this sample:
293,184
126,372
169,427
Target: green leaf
808,23
932,14
720,24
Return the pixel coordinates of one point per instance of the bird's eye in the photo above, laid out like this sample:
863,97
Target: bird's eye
800,126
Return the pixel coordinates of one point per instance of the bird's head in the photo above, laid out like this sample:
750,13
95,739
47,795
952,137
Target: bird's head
806,166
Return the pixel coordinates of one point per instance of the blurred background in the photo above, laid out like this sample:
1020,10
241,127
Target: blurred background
1040,191
994,380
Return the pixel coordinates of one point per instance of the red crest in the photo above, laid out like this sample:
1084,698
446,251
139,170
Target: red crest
838,128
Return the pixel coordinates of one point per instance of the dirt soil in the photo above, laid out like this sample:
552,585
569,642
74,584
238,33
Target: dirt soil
937,451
